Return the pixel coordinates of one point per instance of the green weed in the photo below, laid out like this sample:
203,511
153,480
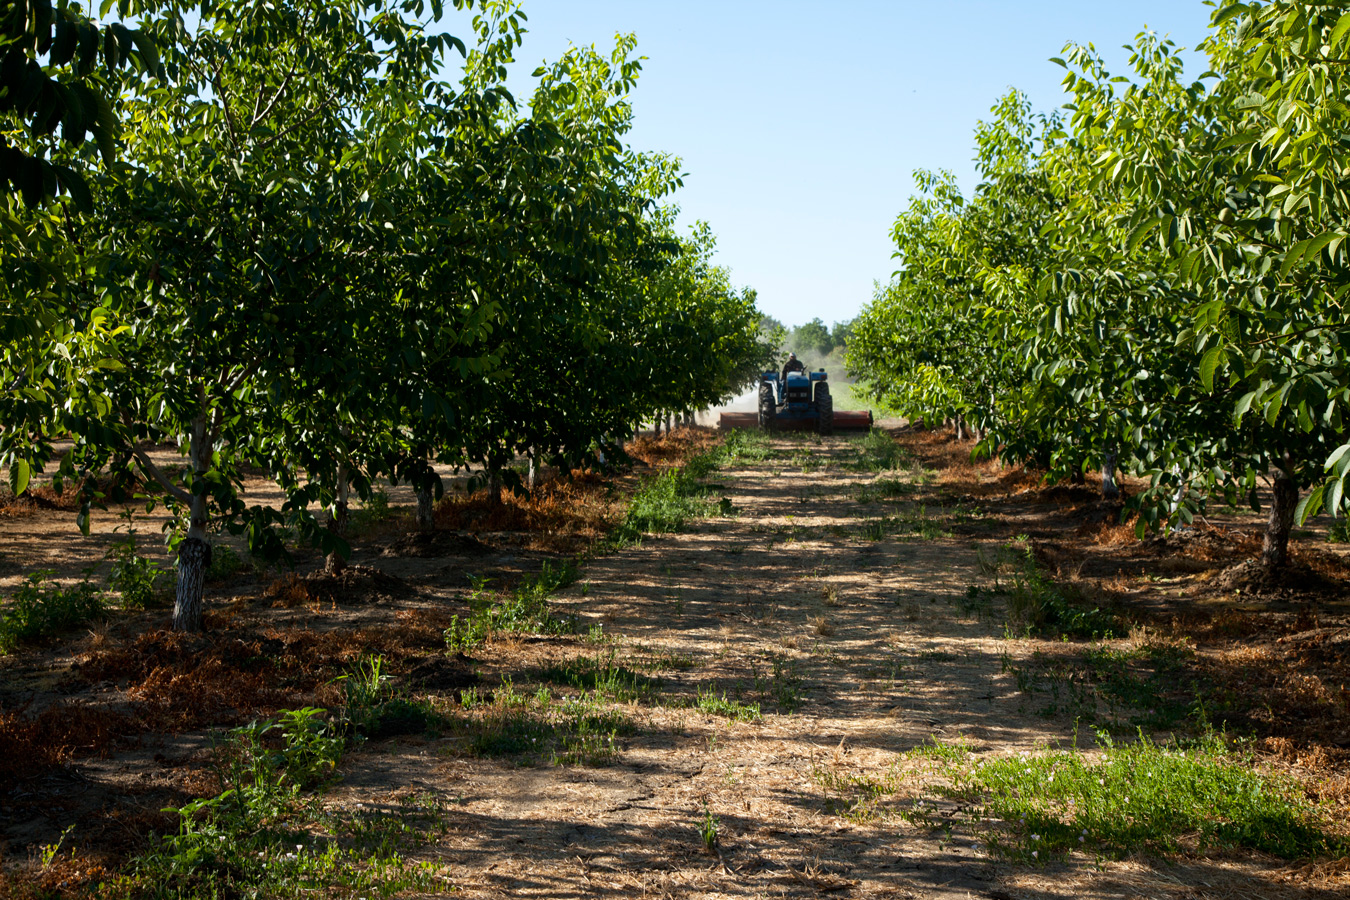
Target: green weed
1143,796
708,828
856,796
885,488
912,522
602,674
714,704
40,609
1126,689
1039,607
133,576
782,685
374,710
257,837
663,504
370,512
522,611
225,563
877,451
569,731
741,446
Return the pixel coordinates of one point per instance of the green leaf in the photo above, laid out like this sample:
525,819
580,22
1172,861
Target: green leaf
75,185
1244,404
19,474
1310,505
1141,232
1228,12
1338,33
1208,363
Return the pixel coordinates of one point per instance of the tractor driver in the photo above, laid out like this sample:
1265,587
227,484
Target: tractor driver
793,364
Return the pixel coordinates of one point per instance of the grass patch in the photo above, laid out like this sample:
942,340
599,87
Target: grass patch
1121,689
522,611
41,609
264,834
540,727
601,674
910,523
1143,796
887,487
715,704
877,451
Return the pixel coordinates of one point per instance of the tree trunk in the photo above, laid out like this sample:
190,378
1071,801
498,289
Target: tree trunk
1110,490
494,485
532,473
1275,550
1077,476
337,523
426,508
960,428
194,558
194,553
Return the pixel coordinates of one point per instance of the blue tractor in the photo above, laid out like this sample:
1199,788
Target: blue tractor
802,399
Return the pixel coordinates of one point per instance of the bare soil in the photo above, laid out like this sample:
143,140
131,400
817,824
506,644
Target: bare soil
858,642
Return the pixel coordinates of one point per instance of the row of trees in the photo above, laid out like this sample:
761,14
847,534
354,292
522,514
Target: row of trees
1152,278
307,249
814,337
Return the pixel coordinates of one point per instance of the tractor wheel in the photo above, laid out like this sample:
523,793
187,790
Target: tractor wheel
768,409
824,409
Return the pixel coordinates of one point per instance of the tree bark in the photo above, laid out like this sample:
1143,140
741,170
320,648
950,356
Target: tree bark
194,558
426,508
532,473
1110,490
1275,549
960,428
337,523
494,485
194,553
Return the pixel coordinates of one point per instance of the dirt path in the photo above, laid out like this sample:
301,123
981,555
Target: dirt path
855,643
754,682
858,657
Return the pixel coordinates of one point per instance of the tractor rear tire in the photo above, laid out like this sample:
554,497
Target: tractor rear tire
824,410
768,409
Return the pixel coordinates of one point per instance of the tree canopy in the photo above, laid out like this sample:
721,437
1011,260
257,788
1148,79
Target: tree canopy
1152,278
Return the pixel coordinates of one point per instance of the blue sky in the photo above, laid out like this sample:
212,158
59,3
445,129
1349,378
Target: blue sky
800,123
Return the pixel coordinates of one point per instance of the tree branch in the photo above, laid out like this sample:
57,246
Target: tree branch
148,467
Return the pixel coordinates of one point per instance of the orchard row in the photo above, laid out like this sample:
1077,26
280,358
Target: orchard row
1151,279
290,234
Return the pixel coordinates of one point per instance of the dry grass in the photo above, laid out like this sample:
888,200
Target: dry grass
562,516
672,448
30,745
43,497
